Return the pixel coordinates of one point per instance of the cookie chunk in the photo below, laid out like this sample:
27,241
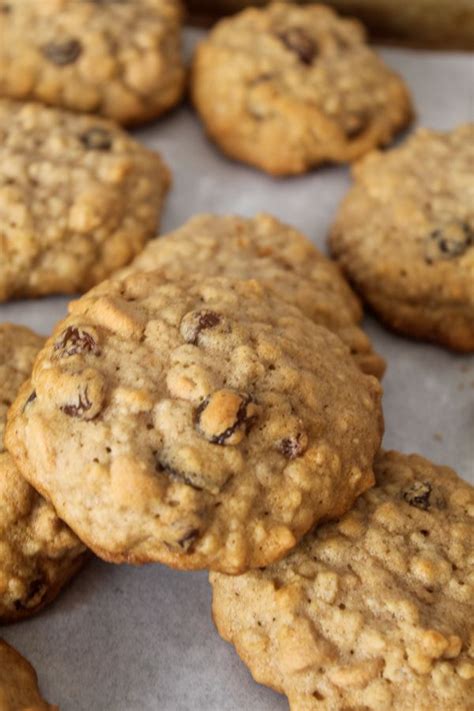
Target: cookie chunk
374,611
18,683
405,236
200,422
277,255
38,553
118,58
287,88
78,199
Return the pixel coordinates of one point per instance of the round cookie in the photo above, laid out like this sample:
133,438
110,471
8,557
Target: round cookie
118,58
374,611
405,236
18,683
38,553
199,422
277,255
286,88
78,199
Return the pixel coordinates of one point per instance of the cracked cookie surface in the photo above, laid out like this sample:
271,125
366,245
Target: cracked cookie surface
118,58
276,254
405,236
286,88
38,552
78,199
19,683
374,611
199,422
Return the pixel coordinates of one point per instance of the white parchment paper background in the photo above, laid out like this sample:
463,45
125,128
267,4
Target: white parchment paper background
125,639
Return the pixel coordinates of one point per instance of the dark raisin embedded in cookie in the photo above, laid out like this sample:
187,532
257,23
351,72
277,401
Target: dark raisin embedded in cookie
293,446
300,43
189,538
448,242
97,139
62,52
175,475
35,593
226,416
31,398
418,495
75,341
197,321
79,408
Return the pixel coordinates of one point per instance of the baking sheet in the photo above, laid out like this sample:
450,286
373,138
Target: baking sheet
142,639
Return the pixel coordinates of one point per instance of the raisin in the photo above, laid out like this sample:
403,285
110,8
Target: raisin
450,241
62,53
298,41
294,446
35,588
225,407
195,322
75,341
80,408
5,8
188,540
96,139
176,475
31,398
418,495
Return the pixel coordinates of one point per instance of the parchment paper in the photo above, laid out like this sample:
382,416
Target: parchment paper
142,639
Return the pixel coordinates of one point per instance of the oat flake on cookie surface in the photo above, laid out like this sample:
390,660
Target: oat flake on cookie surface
404,235
372,612
199,422
276,254
117,58
286,88
38,552
78,199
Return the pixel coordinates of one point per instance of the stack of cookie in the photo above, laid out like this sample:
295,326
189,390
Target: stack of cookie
214,404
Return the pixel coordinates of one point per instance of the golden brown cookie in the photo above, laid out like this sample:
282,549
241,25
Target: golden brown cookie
199,422
38,552
405,236
277,255
78,199
286,88
374,611
18,683
118,58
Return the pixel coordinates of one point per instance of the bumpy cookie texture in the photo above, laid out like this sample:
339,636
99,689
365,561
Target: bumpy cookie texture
78,199
405,236
374,611
199,422
118,58
277,255
287,88
38,552
19,683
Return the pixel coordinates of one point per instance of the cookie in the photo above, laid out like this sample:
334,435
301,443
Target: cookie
199,422
287,88
19,683
277,255
405,236
374,611
118,58
38,553
78,199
